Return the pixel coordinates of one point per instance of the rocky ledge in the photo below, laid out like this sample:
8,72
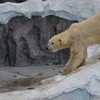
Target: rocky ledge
71,10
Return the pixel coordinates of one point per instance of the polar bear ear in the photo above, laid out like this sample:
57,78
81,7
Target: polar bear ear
60,40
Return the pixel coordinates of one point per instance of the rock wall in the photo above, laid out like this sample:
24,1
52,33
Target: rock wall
23,41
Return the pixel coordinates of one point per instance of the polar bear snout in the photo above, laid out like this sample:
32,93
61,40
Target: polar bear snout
48,48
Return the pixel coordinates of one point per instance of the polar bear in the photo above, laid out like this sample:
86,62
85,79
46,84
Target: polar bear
78,37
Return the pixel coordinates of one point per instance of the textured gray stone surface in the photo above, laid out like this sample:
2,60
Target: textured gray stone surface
23,41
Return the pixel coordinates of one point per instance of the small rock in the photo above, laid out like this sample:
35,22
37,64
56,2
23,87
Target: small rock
14,76
40,74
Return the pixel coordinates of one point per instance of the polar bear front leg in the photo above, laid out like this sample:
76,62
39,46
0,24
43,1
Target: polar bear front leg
84,60
73,63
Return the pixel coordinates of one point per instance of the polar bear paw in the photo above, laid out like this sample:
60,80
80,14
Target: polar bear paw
64,71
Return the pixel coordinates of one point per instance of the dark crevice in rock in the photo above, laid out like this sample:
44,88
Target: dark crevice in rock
3,46
15,1
36,31
11,49
43,0
24,47
24,53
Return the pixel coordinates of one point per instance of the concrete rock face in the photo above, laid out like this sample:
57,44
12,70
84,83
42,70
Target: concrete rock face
23,41
3,44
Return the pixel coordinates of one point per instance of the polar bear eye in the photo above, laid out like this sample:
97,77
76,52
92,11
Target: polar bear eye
52,43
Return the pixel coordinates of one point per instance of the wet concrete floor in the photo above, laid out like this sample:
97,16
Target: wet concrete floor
23,78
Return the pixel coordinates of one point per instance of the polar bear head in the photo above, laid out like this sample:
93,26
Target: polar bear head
57,42
54,44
